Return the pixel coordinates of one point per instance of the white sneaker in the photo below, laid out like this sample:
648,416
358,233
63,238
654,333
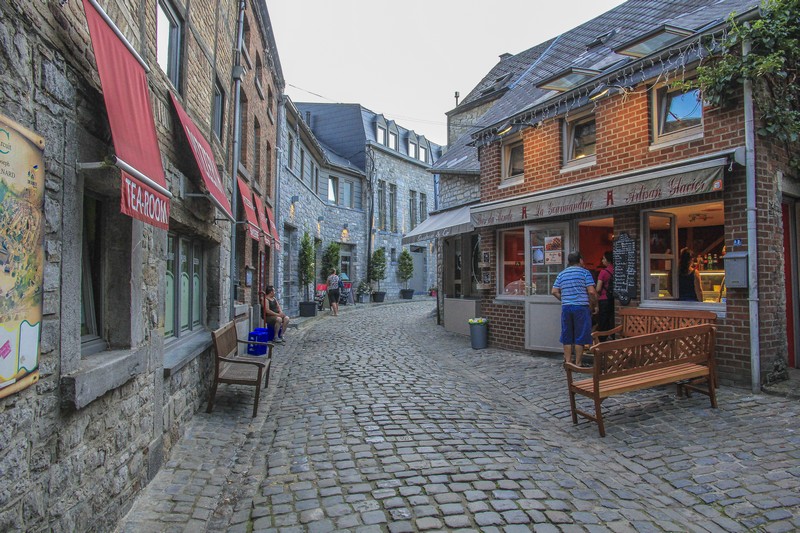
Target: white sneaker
279,340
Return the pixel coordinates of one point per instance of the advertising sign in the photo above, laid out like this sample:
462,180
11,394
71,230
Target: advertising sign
21,255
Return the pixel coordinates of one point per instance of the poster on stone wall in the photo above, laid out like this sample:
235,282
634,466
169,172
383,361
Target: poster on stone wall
21,255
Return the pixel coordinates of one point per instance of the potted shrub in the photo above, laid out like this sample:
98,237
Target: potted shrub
363,292
305,273
330,260
405,269
377,272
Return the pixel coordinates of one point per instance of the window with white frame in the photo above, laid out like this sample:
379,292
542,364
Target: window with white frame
580,138
184,286
677,114
381,135
333,190
513,160
392,140
423,154
168,41
412,149
218,111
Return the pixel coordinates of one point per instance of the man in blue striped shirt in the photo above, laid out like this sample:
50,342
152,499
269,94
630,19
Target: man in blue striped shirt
574,286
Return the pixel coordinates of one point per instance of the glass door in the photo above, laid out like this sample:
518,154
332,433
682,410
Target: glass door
548,247
660,265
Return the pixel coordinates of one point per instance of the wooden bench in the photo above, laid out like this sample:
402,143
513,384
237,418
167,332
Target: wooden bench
642,362
229,367
637,321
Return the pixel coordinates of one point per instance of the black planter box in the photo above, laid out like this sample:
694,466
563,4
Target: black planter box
308,308
378,296
406,294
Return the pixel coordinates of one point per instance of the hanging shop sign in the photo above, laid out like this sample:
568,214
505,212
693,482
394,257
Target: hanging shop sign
684,181
21,255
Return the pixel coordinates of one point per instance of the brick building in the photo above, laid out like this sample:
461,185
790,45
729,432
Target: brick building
590,146
137,247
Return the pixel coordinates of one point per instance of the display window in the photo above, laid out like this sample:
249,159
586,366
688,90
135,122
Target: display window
679,242
548,256
512,266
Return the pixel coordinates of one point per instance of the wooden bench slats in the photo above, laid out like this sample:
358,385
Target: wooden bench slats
645,361
231,368
642,380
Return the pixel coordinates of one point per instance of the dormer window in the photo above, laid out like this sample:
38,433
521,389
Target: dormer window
423,154
412,149
381,135
568,79
392,140
653,41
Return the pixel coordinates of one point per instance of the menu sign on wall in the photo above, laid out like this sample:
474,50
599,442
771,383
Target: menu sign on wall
624,268
21,255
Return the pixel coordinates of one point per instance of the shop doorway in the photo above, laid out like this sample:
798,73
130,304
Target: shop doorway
595,237
791,220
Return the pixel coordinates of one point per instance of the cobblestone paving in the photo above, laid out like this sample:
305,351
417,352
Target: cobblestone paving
378,420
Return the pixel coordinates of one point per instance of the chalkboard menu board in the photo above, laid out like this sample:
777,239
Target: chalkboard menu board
625,268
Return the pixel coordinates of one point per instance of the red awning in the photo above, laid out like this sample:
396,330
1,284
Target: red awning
249,212
205,160
262,217
144,187
273,229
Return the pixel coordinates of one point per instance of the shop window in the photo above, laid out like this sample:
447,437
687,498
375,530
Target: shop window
699,228
184,287
513,161
168,41
392,140
512,266
381,135
580,140
105,277
677,114
548,257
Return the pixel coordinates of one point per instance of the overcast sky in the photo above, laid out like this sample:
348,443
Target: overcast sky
407,58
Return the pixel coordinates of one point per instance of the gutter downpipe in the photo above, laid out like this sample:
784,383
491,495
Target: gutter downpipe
237,136
752,227
281,108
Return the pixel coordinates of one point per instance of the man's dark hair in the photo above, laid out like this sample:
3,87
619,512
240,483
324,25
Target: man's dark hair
574,258
268,289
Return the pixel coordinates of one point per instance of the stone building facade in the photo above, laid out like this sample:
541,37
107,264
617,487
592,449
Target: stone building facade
125,358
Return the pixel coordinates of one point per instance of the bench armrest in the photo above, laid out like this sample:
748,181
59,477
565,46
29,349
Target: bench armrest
598,334
574,368
239,361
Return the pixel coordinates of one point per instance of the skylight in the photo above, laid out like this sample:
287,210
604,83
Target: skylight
568,79
653,41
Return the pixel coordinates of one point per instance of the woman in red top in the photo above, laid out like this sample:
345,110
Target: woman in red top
605,317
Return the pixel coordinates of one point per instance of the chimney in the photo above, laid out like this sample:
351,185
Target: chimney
308,118
505,56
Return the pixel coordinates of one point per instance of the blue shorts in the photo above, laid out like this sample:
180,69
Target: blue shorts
576,324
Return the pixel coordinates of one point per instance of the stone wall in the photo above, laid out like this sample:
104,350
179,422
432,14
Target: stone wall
455,189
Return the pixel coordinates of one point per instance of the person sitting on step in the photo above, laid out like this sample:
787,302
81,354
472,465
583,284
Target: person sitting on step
273,314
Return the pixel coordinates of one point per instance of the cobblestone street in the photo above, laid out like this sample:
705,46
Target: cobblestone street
378,420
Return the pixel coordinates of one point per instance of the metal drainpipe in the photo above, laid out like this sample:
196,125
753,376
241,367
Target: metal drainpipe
278,166
752,234
237,137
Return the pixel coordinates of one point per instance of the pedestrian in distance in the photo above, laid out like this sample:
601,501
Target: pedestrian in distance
333,292
605,299
689,288
574,287
273,313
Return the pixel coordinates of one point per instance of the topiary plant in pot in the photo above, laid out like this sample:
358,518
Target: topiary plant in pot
377,272
405,270
305,273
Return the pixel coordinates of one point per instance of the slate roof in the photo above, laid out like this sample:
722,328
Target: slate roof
620,25
347,128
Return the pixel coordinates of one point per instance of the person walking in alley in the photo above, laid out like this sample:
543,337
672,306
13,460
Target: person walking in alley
574,287
333,292
273,314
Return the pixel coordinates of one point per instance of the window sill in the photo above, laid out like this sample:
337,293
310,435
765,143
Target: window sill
672,141
510,182
181,351
718,308
100,373
509,299
579,164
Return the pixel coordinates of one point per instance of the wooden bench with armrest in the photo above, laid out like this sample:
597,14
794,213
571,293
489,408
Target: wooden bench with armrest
229,367
642,362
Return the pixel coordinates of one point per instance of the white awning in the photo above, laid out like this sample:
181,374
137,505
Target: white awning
441,224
